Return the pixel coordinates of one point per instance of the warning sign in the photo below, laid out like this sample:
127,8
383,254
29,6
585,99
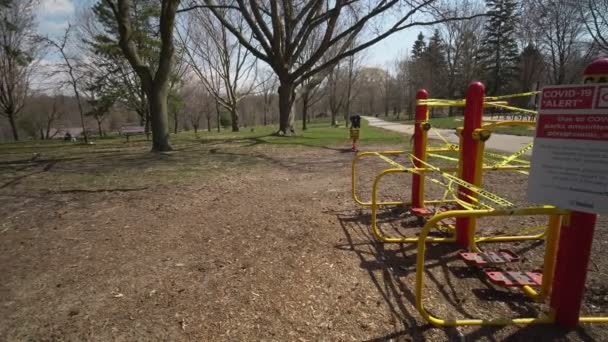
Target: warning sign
570,155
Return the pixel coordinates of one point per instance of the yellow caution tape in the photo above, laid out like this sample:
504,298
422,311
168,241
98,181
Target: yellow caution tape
510,96
515,109
473,188
392,162
441,137
441,156
515,155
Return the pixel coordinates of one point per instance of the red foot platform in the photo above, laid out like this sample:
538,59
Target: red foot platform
515,278
430,211
503,256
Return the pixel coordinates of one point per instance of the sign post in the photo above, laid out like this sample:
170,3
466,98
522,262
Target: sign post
570,170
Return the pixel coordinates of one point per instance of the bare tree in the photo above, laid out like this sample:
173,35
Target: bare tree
352,67
595,12
282,29
268,88
41,113
336,95
68,67
562,26
16,58
224,66
154,79
462,42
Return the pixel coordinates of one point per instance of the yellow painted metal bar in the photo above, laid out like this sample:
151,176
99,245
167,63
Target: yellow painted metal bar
509,238
376,231
555,222
420,257
593,319
354,178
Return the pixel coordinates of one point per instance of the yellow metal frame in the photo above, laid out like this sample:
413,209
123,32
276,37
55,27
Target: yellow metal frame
354,177
388,239
552,239
551,243
551,233
382,155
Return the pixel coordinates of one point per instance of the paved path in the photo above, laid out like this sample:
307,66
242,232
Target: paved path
498,142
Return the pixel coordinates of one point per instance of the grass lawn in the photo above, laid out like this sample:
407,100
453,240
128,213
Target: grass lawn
113,163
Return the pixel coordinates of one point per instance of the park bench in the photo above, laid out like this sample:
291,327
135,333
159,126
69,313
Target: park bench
128,131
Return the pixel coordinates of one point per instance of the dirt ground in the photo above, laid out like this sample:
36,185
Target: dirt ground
274,250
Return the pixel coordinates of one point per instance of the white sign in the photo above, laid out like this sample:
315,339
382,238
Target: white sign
570,156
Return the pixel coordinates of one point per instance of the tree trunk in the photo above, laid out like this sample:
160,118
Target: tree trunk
99,128
305,101
196,129
11,119
333,118
286,94
217,111
208,123
157,100
175,122
48,130
265,113
147,124
234,117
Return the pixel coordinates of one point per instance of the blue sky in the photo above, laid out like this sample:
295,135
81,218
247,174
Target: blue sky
55,14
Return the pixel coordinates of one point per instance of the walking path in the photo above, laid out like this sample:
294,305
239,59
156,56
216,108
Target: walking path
498,142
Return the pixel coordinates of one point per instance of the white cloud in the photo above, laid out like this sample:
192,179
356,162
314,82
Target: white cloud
51,28
56,8
53,16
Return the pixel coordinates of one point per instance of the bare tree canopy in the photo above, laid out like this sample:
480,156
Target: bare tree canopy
224,66
596,14
278,32
16,57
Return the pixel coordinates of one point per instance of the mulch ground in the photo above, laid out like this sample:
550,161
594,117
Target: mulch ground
273,251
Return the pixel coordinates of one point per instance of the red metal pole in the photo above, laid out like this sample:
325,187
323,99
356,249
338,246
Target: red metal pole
419,149
470,161
575,241
574,250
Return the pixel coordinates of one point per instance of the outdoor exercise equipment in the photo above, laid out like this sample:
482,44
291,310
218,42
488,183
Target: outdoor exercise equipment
568,234
462,190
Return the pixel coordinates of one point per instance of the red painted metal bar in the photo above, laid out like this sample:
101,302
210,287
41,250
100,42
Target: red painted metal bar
470,161
419,149
575,240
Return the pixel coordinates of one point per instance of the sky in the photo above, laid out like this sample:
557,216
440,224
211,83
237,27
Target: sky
54,15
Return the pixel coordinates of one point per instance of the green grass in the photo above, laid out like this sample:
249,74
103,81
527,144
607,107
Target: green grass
113,163
318,134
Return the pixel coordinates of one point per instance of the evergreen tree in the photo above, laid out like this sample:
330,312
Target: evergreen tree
436,65
499,54
113,74
419,46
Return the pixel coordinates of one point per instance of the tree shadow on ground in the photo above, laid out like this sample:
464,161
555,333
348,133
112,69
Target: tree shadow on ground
388,265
